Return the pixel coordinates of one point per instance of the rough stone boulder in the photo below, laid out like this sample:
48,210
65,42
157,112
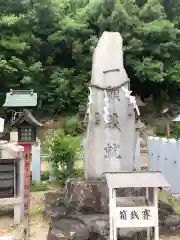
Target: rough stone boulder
164,211
89,196
68,229
88,226
52,207
172,221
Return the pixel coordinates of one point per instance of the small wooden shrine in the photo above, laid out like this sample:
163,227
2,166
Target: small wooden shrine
20,103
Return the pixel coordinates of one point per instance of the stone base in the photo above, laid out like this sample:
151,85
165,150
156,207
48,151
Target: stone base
88,196
88,227
81,213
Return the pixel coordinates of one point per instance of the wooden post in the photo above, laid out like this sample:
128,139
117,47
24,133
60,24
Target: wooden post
26,194
168,130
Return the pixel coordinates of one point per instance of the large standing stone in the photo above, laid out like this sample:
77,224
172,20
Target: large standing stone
111,133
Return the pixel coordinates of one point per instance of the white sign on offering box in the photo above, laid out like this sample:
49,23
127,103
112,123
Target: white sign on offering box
136,217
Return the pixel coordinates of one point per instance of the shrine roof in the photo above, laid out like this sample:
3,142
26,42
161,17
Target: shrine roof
28,117
21,98
136,179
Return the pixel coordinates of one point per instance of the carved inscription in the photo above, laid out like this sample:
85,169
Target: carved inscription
114,122
113,94
97,118
112,149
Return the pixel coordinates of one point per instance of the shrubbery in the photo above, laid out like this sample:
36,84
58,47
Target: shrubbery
63,151
175,130
72,126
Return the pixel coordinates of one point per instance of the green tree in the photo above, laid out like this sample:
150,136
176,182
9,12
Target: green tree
47,45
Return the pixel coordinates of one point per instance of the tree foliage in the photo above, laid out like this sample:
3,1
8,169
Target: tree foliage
47,45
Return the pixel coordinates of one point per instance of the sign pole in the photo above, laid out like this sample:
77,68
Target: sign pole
26,194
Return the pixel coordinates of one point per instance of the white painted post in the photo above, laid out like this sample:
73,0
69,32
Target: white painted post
36,163
111,213
17,214
150,144
114,210
18,208
154,150
163,155
168,151
157,154
156,229
163,145
138,155
18,193
148,229
173,166
1,125
178,166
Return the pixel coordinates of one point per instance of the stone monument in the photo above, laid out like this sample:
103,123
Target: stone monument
109,143
111,120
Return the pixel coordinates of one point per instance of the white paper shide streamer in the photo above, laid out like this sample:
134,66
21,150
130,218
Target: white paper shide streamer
132,99
89,102
106,108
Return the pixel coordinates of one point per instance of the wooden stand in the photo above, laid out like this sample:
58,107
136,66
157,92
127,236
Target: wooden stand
15,154
136,216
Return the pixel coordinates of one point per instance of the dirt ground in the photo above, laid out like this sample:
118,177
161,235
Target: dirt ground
38,226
